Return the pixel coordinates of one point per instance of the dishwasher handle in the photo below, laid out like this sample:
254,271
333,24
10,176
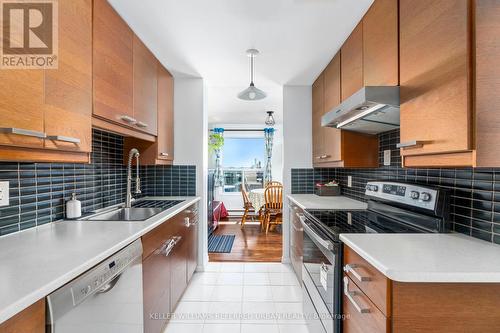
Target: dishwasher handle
110,285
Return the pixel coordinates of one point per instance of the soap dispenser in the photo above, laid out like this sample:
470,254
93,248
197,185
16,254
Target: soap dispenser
73,207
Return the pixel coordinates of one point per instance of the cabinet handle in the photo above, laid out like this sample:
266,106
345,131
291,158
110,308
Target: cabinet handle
23,132
141,124
350,268
63,138
163,154
410,144
187,222
128,119
168,247
350,296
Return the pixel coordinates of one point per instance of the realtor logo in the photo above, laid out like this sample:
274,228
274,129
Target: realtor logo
29,34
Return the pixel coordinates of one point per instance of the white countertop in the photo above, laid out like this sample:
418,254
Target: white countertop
37,261
429,257
313,201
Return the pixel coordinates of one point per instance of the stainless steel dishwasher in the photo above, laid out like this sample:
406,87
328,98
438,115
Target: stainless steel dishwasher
107,298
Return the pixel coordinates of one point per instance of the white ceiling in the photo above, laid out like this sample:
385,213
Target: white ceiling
208,39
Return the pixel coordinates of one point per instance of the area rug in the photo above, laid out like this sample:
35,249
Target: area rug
220,243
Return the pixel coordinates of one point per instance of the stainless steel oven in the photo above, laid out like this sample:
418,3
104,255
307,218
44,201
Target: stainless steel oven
322,259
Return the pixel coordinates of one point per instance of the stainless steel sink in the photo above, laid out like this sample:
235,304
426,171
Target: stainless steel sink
126,214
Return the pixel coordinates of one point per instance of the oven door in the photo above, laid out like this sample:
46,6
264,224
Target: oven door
321,274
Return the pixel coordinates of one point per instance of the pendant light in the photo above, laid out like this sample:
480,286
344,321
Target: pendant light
270,118
252,93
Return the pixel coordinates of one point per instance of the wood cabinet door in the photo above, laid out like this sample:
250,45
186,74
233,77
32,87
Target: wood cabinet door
331,136
352,63
30,320
380,44
435,71
156,270
22,107
112,65
68,89
178,275
165,136
145,88
317,113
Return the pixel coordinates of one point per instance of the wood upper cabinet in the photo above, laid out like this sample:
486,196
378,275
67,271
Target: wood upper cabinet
332,136
30,320
161,151
380,44
435,74
50,110
145,88
22,107
68,89
165,137
352,63
333,147
317,113
112,65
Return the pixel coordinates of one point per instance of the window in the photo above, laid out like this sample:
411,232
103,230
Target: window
243,160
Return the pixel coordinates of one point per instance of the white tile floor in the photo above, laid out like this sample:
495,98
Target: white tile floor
241,297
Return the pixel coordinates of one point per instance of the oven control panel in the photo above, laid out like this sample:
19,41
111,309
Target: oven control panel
409,194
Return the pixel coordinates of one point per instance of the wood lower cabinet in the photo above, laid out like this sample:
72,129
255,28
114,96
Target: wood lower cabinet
169,260
112,65
378,304
30,320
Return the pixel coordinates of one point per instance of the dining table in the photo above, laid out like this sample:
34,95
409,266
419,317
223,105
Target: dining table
256,197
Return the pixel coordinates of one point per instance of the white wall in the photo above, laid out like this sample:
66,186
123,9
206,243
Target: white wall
190,146
297,144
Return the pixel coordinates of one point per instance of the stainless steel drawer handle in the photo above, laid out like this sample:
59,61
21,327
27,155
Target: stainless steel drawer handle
128,119
168,247
23,132
63,138
351,268
325,156
163,154
141,124
350,296
410,144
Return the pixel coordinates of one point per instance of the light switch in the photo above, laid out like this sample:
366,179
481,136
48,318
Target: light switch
387,157
4,194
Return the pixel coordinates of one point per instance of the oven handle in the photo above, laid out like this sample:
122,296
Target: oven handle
323,242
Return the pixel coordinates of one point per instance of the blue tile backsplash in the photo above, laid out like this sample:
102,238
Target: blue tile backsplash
475,200
38,191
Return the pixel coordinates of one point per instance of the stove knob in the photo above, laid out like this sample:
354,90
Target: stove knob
414,195
368,187
425,196
374,188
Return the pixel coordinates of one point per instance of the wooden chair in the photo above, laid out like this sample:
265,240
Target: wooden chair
273,209
273,183
248,207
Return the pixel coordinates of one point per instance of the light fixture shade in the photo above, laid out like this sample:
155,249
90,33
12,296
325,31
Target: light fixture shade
252,93
270,119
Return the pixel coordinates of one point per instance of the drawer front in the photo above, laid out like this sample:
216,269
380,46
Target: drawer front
158,236
361,315
373,283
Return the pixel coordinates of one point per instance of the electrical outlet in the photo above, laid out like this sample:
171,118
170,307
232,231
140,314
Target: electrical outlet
349,218
387,157
349,181
4,194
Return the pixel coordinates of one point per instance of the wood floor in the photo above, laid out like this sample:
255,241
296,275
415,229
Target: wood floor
250,244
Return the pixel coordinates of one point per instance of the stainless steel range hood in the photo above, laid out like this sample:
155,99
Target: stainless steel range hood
371,110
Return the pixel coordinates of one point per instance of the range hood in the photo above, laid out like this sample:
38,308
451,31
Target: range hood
371,110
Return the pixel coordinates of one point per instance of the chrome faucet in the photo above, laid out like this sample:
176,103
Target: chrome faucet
133,152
